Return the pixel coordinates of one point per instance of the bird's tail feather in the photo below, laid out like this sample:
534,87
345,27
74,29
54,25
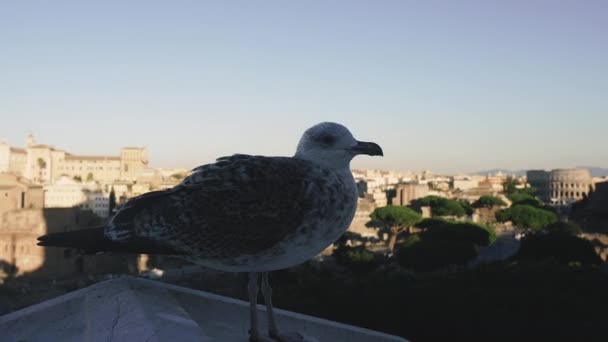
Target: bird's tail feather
93,240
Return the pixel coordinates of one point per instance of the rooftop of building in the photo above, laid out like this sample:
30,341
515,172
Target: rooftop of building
10,180
77,157
18,150
136,309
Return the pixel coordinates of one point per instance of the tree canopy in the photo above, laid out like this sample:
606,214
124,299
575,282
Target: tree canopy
178,176
525,199
527,216
394,219
510,187
477,234
112,201
561,227
444,243
487,201
564,248
392,215
440,206
424,255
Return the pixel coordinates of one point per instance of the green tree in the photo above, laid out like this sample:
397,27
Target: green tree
41,166
112,204
524,198
509,185
395,220
489,202
480,235
468,207
423,255
41,163
77,178
562,247
444,243
440,206
429,222
356,258
562,227
527,216
178,176
510,188
90,177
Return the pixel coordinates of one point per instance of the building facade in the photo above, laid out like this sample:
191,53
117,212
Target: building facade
464,184
44,164
67,193
561,187
406,193
17,193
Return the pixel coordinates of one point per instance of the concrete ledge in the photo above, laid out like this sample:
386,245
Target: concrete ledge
135,309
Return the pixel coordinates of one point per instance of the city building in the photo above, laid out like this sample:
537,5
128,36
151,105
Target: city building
464,183
18,193
561,187
20,255
378,197
68,193
359,225
406,193
44,163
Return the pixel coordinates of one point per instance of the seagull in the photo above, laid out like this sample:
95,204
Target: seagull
243,213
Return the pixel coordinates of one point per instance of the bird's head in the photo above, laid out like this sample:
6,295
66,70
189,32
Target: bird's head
333,146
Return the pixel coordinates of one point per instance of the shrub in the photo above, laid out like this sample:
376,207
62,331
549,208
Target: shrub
488,202
429,222
570,228
440,206
357,258
563,247
461,231
526,199
430,255
527,216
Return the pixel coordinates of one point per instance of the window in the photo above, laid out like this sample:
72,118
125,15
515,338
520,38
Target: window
126,167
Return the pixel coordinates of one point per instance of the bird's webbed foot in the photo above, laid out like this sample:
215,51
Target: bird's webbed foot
288,337
260,338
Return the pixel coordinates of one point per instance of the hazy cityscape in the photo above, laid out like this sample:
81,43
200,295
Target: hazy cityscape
45,189
481,170
40,178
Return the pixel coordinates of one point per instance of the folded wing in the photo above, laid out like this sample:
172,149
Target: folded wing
239,205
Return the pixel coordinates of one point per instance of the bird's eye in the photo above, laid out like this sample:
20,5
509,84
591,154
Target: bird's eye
327,139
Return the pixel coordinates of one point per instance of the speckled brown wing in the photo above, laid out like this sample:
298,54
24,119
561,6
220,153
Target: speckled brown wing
240,205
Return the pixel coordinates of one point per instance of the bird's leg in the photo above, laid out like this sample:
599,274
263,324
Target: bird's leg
252,287
267,293
273,331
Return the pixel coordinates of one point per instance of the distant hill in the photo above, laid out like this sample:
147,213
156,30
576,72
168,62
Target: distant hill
594,170
503,171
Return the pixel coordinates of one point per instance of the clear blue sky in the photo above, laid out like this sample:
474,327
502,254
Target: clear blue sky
442,85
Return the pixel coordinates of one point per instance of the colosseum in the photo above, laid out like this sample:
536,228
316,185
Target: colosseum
561,187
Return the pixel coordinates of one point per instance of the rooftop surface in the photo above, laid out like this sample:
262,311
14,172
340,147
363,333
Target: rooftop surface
136,309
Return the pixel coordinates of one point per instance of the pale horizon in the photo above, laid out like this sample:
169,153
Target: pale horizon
441,86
